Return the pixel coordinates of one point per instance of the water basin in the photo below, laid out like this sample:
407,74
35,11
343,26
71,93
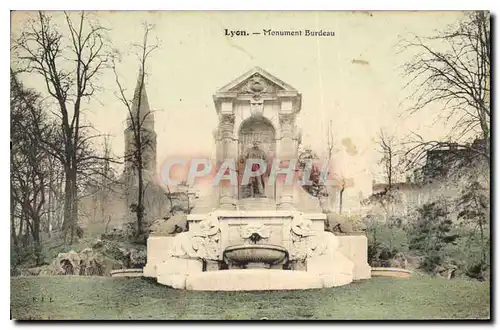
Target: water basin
256,255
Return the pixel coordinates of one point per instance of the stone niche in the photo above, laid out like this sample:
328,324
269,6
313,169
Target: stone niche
257,107
256,128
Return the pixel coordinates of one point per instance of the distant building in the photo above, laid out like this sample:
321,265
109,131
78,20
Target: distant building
111,207
406,196
432,179
143,117
439,162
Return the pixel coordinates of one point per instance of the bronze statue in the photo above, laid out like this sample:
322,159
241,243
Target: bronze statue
256,184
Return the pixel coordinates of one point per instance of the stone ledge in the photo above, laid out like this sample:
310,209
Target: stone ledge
254,213
390,272
253,280
132,272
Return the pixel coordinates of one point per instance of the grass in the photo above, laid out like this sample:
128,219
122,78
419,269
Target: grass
105,298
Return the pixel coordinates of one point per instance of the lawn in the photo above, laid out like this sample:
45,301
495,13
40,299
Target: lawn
105,298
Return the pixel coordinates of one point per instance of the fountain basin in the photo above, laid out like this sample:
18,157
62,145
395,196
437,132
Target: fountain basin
254,255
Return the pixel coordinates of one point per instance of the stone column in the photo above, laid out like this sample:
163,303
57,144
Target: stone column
286,154
227,150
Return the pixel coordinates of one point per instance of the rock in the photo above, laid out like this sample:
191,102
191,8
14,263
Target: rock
88,262
174,225
110,264
98,260
115,252
137,258
69,263
393,263
49,270
124,253
400,258
34,271
91,263
95,263
341,224
64,264
359,226
116,234
98,244
451,273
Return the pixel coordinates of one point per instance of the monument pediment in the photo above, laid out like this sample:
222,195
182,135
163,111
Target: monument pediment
257,86
256,82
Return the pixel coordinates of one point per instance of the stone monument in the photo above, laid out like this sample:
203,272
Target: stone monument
258,235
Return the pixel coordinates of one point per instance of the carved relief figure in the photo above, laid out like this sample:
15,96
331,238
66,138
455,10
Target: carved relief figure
307,243
255,86
254,232
202,243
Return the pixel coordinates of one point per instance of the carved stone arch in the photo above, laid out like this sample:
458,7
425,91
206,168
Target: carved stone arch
251,129
257,128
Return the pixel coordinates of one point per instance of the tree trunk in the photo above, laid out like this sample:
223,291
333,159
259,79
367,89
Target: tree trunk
74,208
140,202
49,207
58,200
50,188
13,223
483,253
21,225
67,204
481,233
139,161
35,232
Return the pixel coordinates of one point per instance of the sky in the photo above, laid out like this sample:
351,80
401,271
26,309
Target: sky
353,79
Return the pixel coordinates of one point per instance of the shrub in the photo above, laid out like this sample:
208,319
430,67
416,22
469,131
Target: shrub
385,242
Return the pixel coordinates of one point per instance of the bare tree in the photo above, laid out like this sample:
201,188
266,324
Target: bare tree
452,70
342,185
168,194
107,176
318,176
330,146
388,151
343,182
70,67
30,166
137,121
391,165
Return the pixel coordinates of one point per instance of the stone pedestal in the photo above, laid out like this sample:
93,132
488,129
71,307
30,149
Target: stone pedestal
253,280
355,247
156,248
210,265
334,269
174,271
